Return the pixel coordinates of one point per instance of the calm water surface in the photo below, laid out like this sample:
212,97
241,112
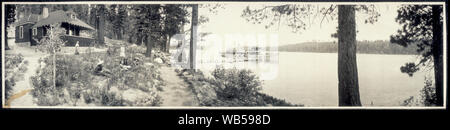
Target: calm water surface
311,78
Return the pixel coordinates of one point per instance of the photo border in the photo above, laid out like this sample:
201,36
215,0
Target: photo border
221,107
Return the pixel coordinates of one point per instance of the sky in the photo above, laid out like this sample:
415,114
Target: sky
228,21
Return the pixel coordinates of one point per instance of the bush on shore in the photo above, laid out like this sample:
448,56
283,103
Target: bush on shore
427,96
229,87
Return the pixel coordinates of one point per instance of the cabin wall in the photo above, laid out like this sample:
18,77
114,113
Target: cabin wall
26,33
38,36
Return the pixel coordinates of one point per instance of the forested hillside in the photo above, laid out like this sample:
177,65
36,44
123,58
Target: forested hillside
366,47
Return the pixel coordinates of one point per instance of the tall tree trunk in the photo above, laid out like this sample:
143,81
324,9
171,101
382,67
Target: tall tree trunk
437,54
193,41
163,43
347,68
54,57
54,68
6,39
19,13
119,34
148,42
101,24
139,39
130,38
168,43
180,57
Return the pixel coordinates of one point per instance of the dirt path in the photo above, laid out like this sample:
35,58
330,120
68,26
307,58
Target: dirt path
176,91
21,91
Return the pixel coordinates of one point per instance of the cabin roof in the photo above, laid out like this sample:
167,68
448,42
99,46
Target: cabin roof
33,18
60,17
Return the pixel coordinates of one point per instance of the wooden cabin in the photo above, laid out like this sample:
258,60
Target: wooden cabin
36,26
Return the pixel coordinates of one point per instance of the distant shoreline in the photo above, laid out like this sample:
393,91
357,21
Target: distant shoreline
336,53
363,47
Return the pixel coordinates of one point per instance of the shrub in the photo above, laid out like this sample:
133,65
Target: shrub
235,85
428,93
9,83
75,80
110,98
113,51
151,99
103,97
44,91
427,96
13,60
13,71
229,87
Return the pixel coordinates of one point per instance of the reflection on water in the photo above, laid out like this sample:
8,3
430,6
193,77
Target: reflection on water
311,78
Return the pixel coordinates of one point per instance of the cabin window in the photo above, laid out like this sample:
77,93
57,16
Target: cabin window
34,31
21,32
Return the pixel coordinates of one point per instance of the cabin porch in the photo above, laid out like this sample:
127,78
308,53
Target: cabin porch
72,35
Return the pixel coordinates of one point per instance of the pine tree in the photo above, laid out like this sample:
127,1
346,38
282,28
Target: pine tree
422,26
148,29
347,68
117,15
174,17
97,18
10,11
52,43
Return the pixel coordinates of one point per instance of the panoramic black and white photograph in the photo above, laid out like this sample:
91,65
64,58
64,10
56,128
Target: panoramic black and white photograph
223,54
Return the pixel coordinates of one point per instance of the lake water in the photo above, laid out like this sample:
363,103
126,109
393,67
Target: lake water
311,78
